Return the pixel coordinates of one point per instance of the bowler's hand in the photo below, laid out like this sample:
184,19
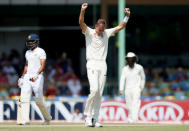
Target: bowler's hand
84,6
127,12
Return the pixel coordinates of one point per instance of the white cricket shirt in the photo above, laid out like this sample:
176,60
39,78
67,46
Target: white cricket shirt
33,57
132,78
97,46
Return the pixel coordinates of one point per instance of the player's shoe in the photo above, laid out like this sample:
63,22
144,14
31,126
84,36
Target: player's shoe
88,123
46,122
130,121
96,123
25,124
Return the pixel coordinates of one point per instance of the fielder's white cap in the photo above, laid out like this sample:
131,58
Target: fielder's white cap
130,54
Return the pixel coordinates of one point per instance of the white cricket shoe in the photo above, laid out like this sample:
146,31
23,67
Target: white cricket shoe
96,123
130,121
88,122
25,124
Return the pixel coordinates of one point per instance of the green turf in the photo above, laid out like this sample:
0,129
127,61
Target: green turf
80,127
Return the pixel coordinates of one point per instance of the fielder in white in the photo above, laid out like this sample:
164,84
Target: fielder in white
32,80
96,53
133,81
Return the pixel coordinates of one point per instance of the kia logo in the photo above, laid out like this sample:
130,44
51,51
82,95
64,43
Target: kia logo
161,111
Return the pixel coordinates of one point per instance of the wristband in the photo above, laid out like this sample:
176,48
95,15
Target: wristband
126,19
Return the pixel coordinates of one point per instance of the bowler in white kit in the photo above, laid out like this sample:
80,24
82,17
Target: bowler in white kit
132,81
32,80
96,53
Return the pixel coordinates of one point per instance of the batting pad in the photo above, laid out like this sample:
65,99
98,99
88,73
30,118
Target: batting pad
25,109
43,109
19,121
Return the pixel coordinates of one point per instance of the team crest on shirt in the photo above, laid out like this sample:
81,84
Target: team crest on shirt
29,37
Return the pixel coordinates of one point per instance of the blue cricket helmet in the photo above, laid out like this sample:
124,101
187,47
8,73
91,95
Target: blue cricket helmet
32,41
32,37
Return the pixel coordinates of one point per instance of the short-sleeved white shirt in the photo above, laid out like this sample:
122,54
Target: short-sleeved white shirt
33,57
97,46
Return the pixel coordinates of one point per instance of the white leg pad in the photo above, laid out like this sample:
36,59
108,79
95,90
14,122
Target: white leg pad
25,110
19,120
43,109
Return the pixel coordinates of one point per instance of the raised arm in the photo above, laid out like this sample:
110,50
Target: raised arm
81,17
124,22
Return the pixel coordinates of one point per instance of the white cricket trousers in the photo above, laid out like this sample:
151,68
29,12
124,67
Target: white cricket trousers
26,92
133,102
96,72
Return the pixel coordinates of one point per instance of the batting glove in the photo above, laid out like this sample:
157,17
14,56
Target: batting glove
20,82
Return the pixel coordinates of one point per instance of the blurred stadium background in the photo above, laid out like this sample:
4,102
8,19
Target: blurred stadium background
157,32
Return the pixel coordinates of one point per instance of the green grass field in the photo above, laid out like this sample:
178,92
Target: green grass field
61,126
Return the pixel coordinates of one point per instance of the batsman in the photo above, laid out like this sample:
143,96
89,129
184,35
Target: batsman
96,53
32,80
